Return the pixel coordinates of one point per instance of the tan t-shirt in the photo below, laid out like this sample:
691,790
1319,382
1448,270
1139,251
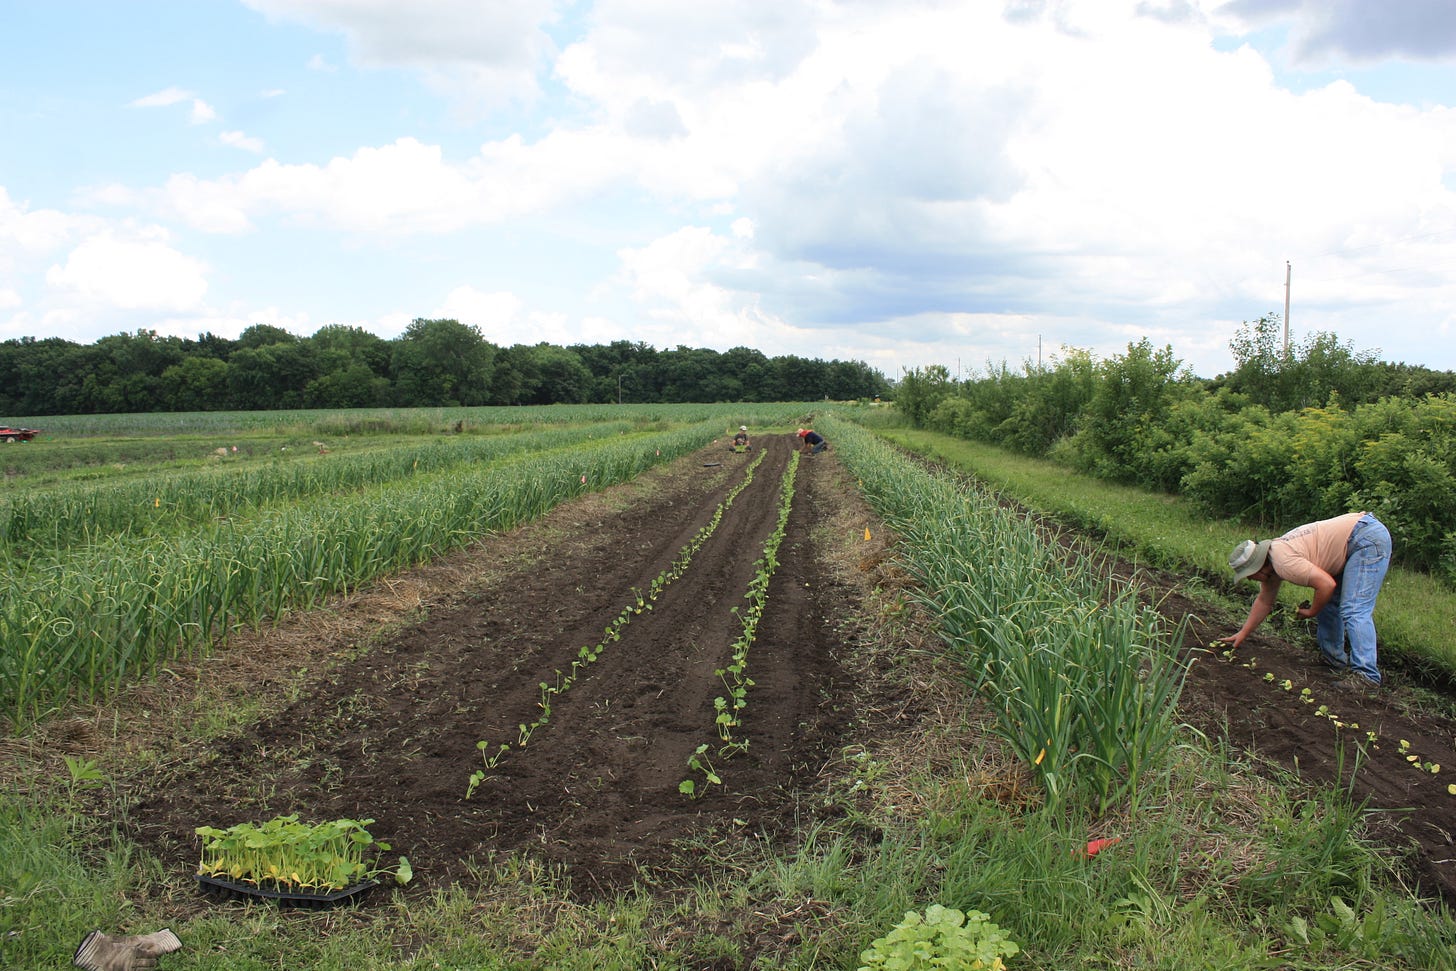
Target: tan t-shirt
1321,544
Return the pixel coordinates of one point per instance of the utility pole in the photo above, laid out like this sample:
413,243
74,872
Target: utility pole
1288,272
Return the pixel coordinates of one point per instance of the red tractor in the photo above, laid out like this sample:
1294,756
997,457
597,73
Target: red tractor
11,434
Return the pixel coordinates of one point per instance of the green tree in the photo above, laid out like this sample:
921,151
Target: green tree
921,390
196,384
1051,402
352,367
1307,374
564,378
264,335
442,362
1132,394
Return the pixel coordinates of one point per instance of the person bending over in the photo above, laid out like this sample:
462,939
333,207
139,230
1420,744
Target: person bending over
811,442
1344,561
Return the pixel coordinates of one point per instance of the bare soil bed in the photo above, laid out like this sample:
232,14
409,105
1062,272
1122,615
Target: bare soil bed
390,733
385,726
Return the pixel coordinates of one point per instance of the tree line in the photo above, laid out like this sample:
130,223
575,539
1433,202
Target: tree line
1288,436
434,363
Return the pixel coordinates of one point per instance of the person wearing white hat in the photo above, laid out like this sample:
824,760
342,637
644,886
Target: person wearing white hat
740,441
1344,561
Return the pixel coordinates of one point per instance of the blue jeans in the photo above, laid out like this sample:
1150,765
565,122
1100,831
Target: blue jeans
1350,612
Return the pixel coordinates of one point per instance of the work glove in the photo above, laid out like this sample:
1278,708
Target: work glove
102,952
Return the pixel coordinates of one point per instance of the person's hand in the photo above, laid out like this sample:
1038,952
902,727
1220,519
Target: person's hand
1305,611
1232,641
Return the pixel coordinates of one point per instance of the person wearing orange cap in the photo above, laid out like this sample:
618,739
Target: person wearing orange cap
811,442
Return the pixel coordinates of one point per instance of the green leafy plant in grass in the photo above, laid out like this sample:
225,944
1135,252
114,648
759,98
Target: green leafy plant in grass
1370,935
286,854
940,938
82,773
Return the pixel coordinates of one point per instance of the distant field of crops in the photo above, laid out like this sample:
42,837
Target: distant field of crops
367,421
109,573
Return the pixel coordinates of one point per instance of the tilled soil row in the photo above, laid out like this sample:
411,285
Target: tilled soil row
392,735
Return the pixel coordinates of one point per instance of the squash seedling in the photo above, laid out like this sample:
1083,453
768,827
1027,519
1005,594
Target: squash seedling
285,854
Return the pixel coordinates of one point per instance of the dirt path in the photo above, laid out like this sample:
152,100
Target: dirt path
390,732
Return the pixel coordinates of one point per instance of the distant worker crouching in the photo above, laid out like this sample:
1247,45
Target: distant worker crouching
811,442
740,441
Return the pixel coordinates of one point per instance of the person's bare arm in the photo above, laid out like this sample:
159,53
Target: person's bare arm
1324,589
1263,605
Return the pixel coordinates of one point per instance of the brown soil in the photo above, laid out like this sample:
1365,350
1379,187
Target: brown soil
391,734
385,726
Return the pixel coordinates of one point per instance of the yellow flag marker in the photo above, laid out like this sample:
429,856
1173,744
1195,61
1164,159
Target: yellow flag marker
867,534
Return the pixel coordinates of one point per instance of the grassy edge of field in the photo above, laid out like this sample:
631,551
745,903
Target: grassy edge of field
943,818
1415,613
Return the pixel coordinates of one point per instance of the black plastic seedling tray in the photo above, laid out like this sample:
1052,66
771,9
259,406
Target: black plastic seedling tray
221,889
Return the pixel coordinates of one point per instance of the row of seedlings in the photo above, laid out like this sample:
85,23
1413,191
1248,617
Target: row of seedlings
588,654
728,709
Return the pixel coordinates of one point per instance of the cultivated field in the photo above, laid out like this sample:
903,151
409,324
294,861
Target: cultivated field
683,708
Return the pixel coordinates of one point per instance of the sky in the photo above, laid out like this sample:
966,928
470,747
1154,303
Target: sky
900,182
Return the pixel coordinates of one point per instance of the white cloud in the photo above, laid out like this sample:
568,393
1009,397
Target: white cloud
199,113
481,51
504,318
1356,30
492,312
163,98
130,273
403,187
237,139
914,178
26,233
673,282
209,206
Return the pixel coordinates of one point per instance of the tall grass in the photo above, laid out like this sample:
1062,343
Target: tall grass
86,513
1083,678
79,621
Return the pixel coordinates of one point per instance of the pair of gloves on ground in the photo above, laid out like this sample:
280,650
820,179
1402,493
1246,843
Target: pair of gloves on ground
139,952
